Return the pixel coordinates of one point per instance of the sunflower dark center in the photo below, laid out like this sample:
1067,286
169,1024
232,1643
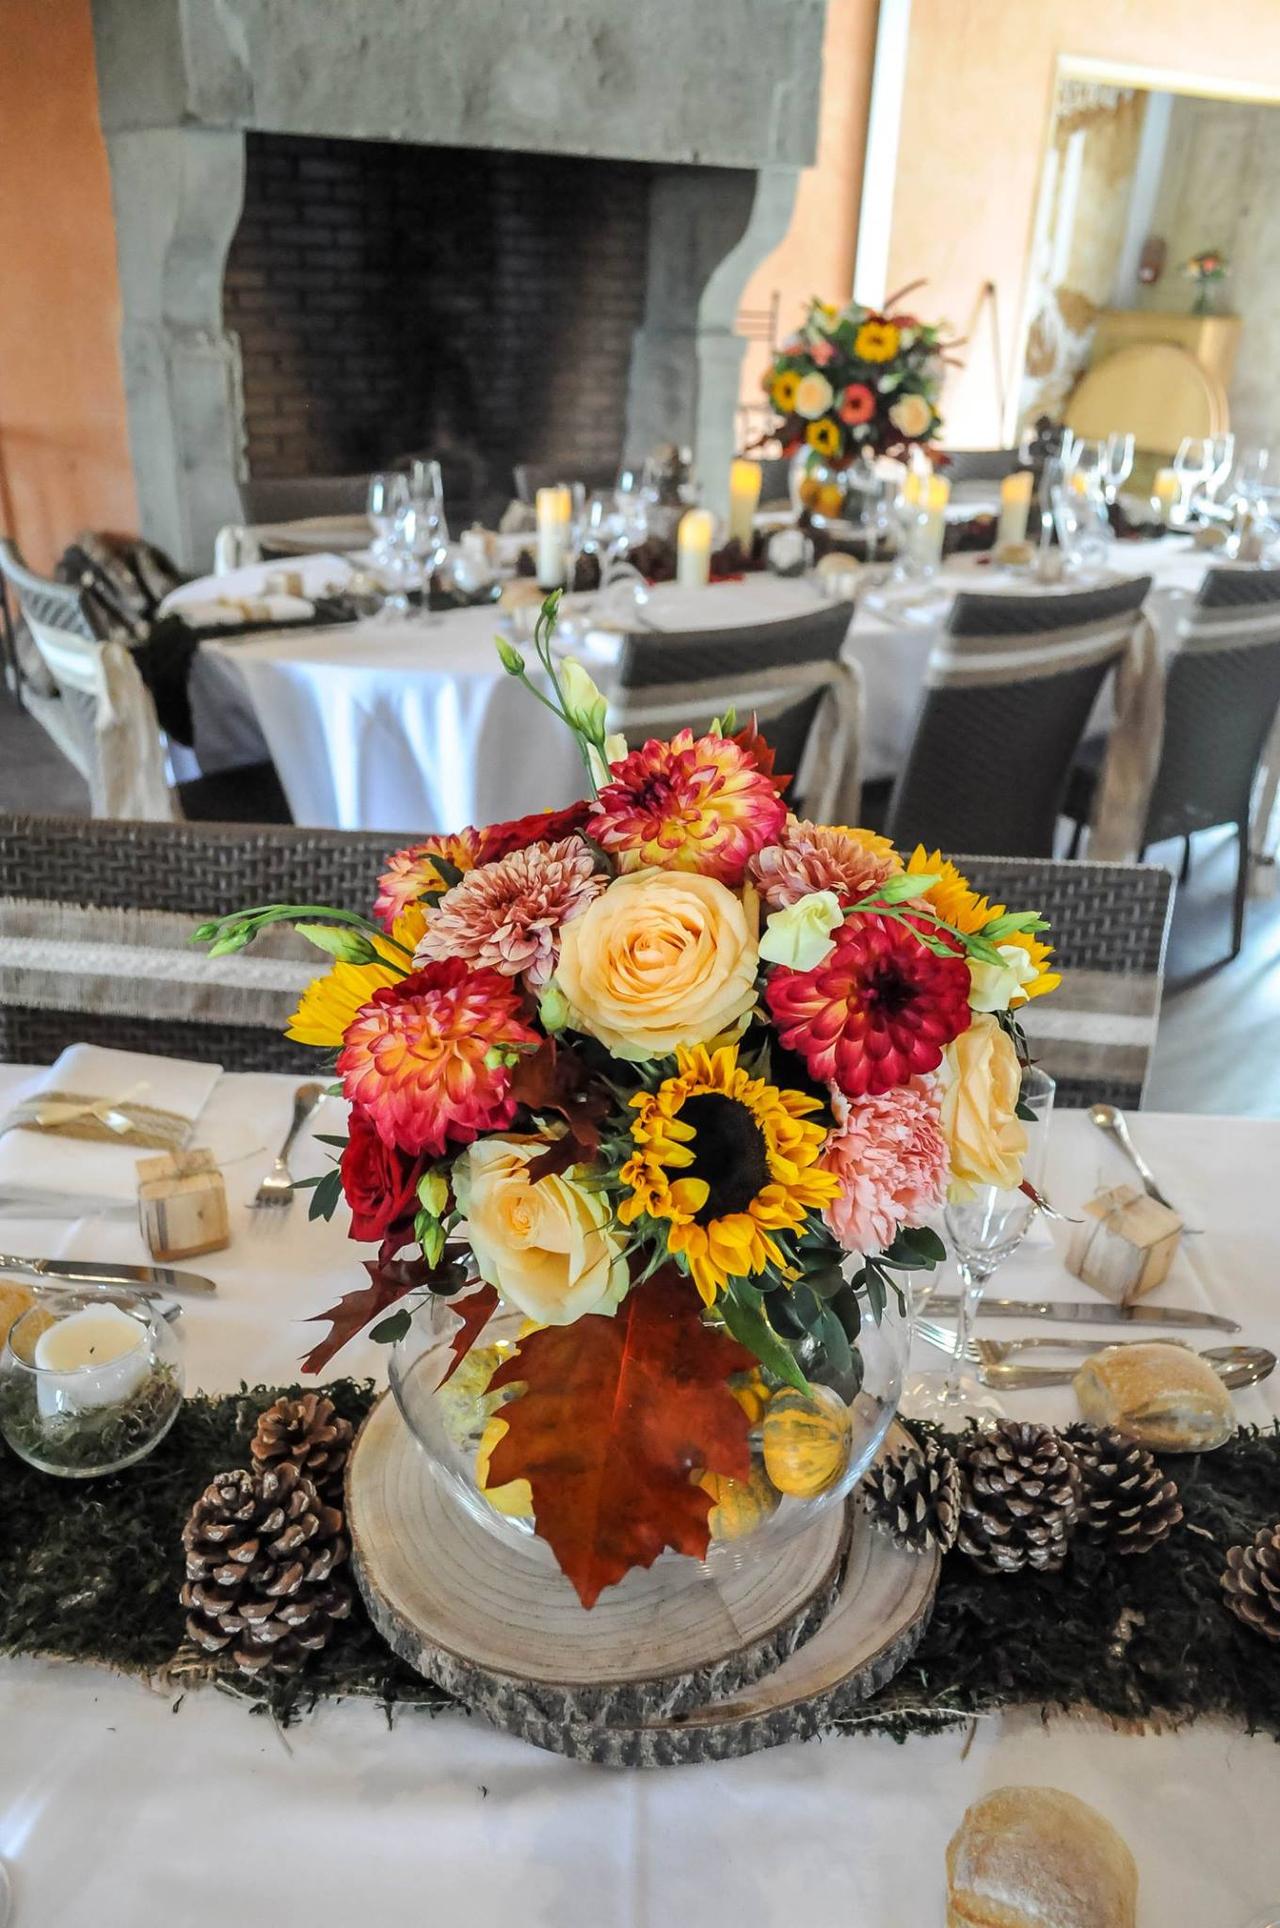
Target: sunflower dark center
728,1153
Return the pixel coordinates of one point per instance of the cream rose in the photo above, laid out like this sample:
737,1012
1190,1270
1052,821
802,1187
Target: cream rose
661,958
912,415
981,1079
814,396
547,1247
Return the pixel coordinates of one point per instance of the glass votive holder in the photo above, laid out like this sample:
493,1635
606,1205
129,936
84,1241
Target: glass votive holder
87,1384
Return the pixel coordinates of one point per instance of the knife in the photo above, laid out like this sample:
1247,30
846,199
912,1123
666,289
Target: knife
1086,1312
157,1278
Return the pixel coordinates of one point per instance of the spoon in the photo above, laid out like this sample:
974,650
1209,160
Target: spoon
1108,1119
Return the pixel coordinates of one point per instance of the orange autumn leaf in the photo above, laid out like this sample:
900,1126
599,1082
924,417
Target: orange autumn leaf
616,1414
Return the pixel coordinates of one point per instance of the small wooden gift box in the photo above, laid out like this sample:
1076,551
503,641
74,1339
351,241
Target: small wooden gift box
182,1205
1124,1245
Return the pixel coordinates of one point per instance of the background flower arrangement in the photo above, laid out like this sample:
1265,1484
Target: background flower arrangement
1205,270
680,1078
853,381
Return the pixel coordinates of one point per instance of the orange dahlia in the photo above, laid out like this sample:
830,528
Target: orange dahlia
817,856
703,805
423,1056
880,1008
410,874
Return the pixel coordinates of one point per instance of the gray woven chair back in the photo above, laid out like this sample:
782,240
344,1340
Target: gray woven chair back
1095,1034
293,498
108,886
42,600
1222,691
981,465
1011,686
775,481
665,682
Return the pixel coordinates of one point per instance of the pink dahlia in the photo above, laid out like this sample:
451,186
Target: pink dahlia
412,872
815,856
890,1157
417,1057
704,805
880,1008
506,916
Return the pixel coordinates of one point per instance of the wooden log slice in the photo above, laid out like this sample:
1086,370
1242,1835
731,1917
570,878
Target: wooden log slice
495,1623
885,1601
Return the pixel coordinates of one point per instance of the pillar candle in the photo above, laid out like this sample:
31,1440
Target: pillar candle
1165,491
90,1359
554,511
744,500
693,549
1015,506
935,493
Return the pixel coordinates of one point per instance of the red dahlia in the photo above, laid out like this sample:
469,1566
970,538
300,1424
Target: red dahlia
878,1010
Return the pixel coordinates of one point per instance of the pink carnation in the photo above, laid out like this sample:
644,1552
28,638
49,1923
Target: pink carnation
891,1159
506,916
813,856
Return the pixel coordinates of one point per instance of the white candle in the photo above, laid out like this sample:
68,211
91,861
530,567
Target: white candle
554,512
744,500
935,493
1165,491
693,549
1015,506
93,1358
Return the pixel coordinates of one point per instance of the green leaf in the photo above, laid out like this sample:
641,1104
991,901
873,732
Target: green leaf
978,947
450,872
752,1330
924,1240
831,1336
394,1327
825,1280
1013,920
846,1308
329,1138
326,1196
1024,1112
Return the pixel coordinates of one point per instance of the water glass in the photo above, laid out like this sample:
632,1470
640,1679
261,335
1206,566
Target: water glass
1084,529
984,1230
1117,463
1222,454
388,493
1088,461
1193,465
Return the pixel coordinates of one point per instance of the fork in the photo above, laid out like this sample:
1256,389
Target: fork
999,1352
277,1187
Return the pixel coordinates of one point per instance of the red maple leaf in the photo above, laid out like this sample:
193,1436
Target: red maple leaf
387,1283
554,1079
748,738
616,1414
475,1309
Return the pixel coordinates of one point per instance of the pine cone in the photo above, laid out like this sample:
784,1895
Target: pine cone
1020,1498
1125,1499
914,1496
261,1548
308,1433
1252,1582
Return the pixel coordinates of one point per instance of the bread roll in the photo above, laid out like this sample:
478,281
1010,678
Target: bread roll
14,1301
1033,1857
1163,1395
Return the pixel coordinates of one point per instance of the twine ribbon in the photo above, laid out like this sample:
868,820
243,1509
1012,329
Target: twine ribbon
122,1120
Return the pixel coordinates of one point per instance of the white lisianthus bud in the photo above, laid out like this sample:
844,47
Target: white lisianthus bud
993,987
584,705
801,935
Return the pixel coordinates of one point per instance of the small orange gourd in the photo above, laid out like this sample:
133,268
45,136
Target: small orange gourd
806,1441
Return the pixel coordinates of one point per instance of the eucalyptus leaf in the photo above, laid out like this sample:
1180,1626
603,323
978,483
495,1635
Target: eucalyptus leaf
833,1339
326,1196
393,1327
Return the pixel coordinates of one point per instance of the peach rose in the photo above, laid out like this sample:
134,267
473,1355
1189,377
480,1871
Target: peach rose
814,396
980,1079
547,1247
911,415
661,958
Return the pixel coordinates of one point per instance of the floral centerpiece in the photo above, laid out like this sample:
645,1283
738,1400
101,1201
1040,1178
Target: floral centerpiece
1205,270
850,384
678,1078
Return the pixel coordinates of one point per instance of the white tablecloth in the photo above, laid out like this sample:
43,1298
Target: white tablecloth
412,726
117,1812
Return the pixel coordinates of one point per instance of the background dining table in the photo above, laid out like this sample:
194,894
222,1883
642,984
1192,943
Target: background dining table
409,723
122,1805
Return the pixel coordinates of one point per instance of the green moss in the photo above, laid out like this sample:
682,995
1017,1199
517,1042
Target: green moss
90,1570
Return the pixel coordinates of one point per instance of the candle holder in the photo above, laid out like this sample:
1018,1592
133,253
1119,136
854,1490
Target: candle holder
79,1394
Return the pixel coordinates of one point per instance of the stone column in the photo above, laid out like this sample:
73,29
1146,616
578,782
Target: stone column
177,194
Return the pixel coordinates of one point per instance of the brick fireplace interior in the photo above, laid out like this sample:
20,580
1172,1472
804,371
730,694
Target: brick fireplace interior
476,305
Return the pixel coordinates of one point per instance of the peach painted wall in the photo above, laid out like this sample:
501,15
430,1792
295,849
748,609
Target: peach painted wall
816,255
979,88
64,450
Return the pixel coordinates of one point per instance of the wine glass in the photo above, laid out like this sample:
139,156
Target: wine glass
1117,463
388,492
984,1229
418,531
1084,529
1256,474
1086,466
1192,465
1222,452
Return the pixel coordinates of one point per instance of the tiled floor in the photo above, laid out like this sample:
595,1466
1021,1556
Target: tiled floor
1219,1044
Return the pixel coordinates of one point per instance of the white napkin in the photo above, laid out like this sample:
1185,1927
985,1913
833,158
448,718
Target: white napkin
64,1176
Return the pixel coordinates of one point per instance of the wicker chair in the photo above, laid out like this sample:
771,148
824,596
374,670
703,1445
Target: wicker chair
528,477
1222,692
287,499
788,674
1011,686
185,873
1110,924
981,465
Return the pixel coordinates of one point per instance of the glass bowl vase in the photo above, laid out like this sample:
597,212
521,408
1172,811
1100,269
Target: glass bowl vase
80,1409
808,1450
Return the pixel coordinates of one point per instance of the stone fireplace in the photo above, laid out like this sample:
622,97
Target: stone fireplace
348,232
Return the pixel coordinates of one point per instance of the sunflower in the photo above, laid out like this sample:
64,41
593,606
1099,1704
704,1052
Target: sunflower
876,341
952,898
823,436
329,1003
784,390
728,1161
